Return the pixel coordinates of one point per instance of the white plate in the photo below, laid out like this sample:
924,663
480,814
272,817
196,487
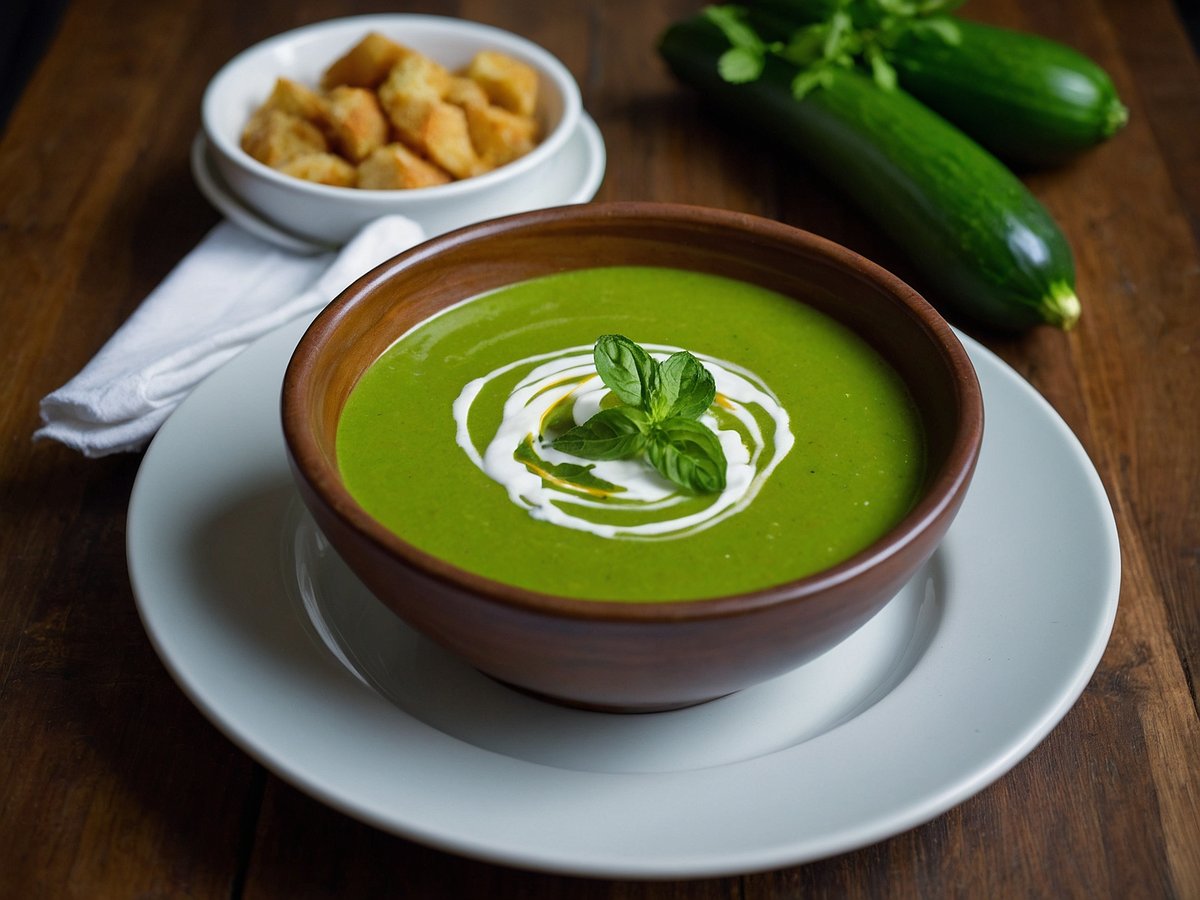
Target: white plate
942,693
574,178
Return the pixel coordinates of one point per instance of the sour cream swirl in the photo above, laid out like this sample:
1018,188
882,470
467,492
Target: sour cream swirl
747,418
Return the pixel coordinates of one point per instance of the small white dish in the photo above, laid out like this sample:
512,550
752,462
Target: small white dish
332,215
938,696
575,177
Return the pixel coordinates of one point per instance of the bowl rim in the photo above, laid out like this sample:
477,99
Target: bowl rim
547,63
943,492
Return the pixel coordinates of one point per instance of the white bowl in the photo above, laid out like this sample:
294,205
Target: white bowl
333,215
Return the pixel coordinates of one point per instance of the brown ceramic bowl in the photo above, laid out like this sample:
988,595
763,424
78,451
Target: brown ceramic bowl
630,656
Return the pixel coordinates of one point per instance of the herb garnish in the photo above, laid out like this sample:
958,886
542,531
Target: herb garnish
570,476
842,34
657,420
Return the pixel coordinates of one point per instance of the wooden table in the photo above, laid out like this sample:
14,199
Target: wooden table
113,784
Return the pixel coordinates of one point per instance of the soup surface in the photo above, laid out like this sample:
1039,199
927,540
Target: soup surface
447,439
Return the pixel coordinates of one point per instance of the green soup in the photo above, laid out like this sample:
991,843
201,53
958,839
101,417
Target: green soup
444,439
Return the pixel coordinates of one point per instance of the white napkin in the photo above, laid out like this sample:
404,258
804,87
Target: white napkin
231,289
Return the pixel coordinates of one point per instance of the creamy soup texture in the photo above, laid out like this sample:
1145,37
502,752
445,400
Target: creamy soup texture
447,439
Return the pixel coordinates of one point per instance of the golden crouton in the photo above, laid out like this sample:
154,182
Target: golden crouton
394,166
446,140
498,135
409,94
464,92
508,82
356,123
294,98
323,168
366,64
415,74
408,114
274,137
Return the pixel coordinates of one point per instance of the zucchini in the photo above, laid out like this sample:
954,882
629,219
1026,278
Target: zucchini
1029,100
976,233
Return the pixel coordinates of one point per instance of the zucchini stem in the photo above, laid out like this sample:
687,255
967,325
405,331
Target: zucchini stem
1062,307
1115,118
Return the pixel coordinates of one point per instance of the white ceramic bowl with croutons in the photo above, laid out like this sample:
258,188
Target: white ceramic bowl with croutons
331,214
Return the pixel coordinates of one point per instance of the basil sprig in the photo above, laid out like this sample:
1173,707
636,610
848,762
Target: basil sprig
657,419
841,34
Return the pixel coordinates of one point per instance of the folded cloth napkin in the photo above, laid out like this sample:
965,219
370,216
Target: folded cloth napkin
231,289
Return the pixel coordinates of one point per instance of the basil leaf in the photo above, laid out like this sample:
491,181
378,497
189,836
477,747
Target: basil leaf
881,70
841,29
626,369
687,387
810,79
731,20
805,46
687,453
568,475
616,433
941,29
740,65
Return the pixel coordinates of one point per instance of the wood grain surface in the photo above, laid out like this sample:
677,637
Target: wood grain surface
113,785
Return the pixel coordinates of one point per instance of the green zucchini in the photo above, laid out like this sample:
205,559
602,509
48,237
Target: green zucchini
976,233
1029,100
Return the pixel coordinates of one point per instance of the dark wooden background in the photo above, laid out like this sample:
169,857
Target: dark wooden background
113,785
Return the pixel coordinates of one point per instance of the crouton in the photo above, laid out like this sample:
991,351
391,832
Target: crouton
365,64
464,92
356,124
394,166
507,82
323,168
416,73
408,113
294,98
446,140
274,137
409,94
499,136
